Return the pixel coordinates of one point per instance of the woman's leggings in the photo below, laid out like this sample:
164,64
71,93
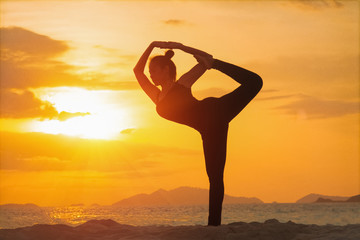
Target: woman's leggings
214,136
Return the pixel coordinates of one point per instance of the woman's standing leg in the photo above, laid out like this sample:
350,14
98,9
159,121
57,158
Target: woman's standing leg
214,144
215,136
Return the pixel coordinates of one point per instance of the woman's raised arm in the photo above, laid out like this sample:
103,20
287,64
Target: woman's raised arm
189,78
146,85
190,50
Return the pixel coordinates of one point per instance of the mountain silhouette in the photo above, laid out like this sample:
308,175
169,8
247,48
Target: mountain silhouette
29,206
355,198
179,196
314,197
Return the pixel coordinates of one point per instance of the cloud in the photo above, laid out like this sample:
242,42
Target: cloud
317,4
128,131
24,104
274,97
28,61
62,116
21,41
315,108
29,72
328,75
60,153
269,90
12,161
175,22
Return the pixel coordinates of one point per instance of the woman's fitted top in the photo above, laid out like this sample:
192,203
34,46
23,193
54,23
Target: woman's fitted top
179,105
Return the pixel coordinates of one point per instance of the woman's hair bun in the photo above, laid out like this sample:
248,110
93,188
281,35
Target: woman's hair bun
169,54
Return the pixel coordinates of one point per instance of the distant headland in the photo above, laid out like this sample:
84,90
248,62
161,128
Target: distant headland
180,196
318,198
196,196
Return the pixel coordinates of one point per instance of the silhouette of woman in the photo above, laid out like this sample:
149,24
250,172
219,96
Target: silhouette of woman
210,116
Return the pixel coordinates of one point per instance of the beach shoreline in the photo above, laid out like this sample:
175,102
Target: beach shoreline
111,230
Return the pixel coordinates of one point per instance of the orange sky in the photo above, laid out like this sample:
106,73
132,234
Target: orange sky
76,128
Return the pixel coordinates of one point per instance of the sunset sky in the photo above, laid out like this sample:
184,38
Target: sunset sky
77,128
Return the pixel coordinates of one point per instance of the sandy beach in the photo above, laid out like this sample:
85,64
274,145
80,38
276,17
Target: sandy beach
110,230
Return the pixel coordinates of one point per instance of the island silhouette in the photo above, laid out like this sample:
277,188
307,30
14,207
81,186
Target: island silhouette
179,196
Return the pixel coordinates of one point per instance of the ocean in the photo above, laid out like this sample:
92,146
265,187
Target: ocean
15,216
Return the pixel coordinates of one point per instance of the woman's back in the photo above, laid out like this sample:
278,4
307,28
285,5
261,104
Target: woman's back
179,105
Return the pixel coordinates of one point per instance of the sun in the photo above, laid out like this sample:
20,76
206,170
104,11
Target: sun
104,119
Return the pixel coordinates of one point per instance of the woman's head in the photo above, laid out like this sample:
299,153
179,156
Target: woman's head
162,68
